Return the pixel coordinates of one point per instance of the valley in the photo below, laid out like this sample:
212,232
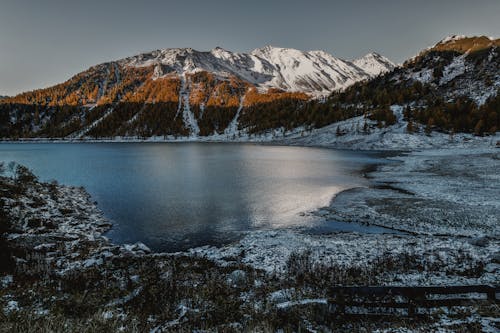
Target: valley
237,190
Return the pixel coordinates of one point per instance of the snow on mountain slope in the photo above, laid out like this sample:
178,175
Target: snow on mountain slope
457,66
394,137
374,64
313,72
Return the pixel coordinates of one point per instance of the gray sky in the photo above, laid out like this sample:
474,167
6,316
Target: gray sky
43,42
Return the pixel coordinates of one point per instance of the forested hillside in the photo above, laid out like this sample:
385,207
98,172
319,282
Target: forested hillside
174,93
451,87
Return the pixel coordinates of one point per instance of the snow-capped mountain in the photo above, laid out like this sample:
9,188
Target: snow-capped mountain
219,94
446,96
313,72
316,72
374,64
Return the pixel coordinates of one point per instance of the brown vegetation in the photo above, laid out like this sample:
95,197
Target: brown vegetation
469,44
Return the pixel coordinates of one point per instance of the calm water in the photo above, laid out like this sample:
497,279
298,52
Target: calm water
172,196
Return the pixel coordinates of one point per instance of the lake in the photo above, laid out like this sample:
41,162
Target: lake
172,196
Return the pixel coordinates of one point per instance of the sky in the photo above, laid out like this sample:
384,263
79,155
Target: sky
44,42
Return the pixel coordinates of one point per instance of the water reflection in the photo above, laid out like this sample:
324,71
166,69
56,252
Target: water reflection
174,196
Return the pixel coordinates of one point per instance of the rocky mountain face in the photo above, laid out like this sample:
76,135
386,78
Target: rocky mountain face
182,92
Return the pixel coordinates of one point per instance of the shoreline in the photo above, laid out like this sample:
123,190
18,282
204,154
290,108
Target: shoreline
67,242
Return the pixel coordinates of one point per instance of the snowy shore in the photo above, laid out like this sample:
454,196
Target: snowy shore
445,199
348,134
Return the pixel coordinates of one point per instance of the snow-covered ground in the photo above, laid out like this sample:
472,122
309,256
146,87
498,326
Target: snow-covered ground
457,245
436,192
440,191
446,200
395,137
271,250
188,116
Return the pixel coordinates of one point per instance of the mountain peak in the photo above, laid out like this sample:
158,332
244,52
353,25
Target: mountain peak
270,49
220,52
372,55
374,64
218,49
316,73
451,38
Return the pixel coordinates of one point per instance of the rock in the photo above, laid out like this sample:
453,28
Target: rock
281,296
137,247
479,241
237,278
492,268
135,278
45,247
12,306
92,262
116,250
6,281
495,257
143,247
107,254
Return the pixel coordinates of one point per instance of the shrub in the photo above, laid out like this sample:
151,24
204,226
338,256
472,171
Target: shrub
24,175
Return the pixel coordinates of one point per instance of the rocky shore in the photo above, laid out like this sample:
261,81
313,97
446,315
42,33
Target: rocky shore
60,273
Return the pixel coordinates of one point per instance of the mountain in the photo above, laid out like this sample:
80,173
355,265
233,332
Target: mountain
458,66
446,96
183,92
314,72
374,64
450,87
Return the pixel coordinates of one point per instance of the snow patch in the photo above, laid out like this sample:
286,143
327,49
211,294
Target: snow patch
454,69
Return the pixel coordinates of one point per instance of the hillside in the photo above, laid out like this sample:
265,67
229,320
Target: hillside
269,93
451,87
181,92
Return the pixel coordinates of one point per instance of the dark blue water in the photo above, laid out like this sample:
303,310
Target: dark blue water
172,196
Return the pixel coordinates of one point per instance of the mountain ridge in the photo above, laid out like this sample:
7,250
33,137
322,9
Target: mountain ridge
218,93
313,72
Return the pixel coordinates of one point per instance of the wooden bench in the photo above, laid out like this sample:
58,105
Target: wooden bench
414,297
